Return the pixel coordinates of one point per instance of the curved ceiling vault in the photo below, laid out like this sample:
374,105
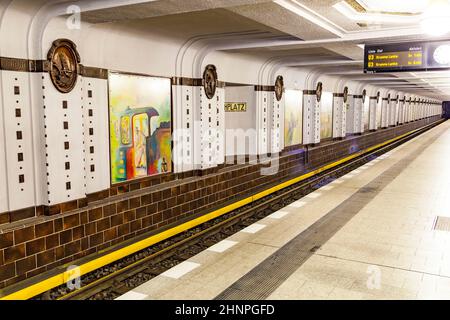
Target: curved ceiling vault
324,36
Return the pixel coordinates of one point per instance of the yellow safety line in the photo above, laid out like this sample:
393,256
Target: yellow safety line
87,267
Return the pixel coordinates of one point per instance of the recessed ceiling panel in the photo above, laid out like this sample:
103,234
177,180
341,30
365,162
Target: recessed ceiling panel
395,6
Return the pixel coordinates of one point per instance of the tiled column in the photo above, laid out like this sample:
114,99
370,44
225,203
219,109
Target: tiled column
372,113
339,116
54,142
262,119
401,104
393,109
359,114
416,110
311,117
408,110
64,142
17,165
349,115
96,128
384,113
277,123
209,128
183,125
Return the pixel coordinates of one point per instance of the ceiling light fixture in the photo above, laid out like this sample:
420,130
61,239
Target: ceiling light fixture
373,16
310,15
395,6
436,18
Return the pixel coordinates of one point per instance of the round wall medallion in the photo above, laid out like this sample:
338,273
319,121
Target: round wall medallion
279,88
210,80
63,61
319,91
345,94
364,94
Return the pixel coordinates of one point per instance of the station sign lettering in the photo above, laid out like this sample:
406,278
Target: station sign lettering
235,106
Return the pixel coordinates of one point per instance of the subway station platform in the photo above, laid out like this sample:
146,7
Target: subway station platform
381,231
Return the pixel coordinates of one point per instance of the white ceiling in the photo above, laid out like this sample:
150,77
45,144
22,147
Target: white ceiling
297,32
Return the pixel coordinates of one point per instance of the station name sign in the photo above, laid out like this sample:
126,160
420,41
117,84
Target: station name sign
401,57
235,107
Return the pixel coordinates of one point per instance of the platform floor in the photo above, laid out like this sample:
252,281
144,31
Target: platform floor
368,235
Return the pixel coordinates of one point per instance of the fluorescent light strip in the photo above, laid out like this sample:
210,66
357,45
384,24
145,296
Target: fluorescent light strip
350,13
304,12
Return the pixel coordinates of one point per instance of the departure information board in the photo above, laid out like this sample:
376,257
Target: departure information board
407,57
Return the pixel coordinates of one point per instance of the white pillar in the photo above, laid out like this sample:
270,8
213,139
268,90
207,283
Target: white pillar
339,115
311,117
209,128
384,113
401,110
373,113
183,125
277,123
262,119
393,112
350,115
358,120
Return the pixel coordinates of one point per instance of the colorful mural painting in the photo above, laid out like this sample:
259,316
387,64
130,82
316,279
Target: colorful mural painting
326,115
140,126
293,117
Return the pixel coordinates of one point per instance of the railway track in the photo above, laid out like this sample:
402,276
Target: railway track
113,280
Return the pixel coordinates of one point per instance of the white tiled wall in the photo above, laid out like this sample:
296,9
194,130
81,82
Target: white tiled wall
96,134
4,206
401,105
393,112
209,138
384,113
183,128
339,117
358,125
64,145
310,108
277,124
262,120
372,114
18,138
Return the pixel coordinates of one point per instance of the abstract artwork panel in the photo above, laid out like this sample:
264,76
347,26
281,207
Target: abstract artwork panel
293,117
140,126
326,115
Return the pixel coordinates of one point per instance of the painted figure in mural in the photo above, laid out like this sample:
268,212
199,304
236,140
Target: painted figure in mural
140,140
